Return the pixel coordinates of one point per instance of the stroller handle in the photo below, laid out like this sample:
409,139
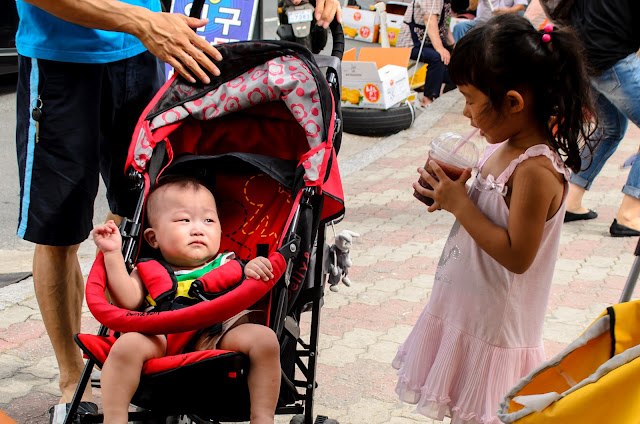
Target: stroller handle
337,35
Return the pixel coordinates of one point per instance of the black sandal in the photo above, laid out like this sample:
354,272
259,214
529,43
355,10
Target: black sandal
570,216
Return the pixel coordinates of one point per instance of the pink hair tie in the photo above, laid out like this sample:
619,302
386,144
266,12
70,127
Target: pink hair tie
547,36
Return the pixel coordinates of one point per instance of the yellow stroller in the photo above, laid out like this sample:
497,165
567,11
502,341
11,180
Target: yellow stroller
593,380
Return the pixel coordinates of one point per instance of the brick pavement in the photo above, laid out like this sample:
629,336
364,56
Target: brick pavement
394,261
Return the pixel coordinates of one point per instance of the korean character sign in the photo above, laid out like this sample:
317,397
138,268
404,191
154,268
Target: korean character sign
229,20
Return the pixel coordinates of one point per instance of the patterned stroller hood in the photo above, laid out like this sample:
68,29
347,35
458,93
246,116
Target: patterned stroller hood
255,73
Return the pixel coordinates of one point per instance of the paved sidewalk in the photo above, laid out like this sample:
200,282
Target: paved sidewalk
394,260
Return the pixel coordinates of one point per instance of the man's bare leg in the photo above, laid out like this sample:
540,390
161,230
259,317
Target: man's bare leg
116,218
59,288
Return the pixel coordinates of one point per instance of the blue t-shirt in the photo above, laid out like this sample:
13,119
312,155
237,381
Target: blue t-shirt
43,36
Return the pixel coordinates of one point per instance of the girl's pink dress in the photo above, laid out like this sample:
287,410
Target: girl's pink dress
481,330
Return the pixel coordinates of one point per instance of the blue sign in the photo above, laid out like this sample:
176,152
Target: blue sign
229,20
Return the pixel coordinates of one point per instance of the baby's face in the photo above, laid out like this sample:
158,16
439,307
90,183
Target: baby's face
186,229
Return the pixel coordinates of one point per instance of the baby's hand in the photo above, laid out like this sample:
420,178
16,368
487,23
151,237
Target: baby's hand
107,237
259,268
447,194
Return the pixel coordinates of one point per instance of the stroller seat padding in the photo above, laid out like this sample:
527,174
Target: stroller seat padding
195,317
98,347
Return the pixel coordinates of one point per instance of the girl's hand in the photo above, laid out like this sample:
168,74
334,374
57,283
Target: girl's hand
107,237
447,194
259,268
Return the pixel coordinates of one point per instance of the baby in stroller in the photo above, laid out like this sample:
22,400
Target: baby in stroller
185,229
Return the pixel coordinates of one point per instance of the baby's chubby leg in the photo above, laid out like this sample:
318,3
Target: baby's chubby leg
121,372
261,345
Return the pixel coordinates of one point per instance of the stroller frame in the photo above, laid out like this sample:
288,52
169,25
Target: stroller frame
311,201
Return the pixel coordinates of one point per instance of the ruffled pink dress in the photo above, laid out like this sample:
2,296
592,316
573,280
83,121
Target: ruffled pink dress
481,330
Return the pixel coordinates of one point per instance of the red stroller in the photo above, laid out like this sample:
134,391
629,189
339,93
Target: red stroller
268,130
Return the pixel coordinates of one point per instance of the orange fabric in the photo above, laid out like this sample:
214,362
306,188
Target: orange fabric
5,419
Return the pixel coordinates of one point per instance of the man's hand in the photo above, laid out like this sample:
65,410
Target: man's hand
259,268
170,37
326,10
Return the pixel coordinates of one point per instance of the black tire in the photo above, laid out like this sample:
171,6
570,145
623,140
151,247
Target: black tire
376,122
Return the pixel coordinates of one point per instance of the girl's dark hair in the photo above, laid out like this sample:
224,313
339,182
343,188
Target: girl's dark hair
508,53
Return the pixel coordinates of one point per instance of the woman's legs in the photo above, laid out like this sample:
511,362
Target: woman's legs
121,372
436,72
612,127
617,91
261,345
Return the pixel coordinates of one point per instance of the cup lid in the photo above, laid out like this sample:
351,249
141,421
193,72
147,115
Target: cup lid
464,157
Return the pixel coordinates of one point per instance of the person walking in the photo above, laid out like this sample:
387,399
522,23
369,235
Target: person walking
611,39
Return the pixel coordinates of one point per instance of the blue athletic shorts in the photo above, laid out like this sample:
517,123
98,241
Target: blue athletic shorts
89,112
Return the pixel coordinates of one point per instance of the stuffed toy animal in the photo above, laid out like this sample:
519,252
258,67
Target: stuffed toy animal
339,261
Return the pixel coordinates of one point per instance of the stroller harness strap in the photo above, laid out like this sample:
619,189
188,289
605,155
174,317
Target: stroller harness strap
170,290
194,317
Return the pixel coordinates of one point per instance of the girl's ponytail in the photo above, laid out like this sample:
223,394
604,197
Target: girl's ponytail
573,117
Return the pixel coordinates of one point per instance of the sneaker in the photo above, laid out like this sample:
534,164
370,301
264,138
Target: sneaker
95,378
58,413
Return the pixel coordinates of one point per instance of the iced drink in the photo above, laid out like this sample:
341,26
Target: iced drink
451,156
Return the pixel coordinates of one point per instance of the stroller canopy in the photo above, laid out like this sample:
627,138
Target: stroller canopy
254,75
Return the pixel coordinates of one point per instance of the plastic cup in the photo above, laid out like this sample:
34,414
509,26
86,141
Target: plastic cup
453,154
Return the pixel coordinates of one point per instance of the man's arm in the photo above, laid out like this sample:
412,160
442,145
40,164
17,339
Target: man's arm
169,36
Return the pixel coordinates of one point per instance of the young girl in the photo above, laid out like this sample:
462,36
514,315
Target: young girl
528,93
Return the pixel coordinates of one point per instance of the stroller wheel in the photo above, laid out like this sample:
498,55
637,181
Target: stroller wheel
321,419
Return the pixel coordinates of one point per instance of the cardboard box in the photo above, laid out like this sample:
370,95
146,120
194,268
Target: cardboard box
394,23
360,24
395,15
378,79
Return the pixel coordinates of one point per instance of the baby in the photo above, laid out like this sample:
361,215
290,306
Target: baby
184,227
